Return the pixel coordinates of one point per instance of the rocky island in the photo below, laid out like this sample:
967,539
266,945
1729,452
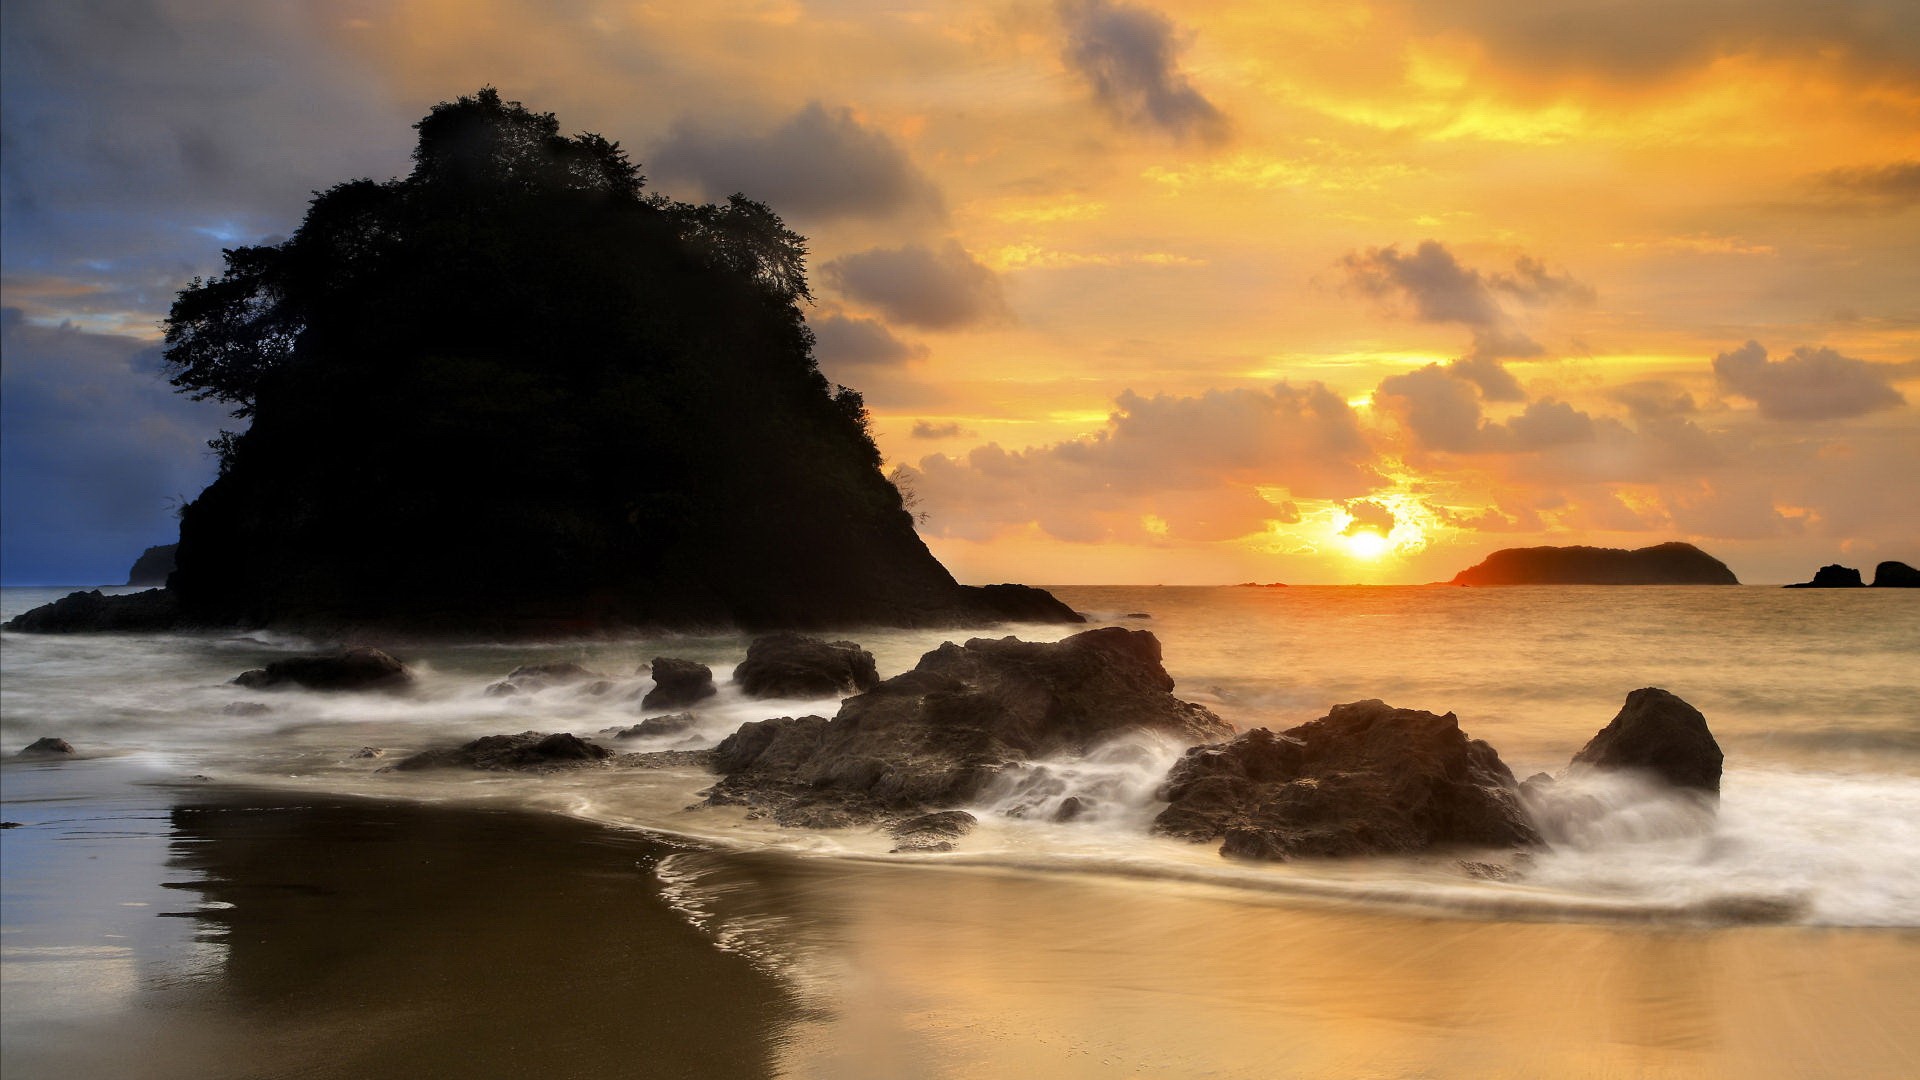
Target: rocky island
515,394
1662,564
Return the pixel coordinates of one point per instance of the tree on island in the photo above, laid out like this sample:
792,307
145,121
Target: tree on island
514,392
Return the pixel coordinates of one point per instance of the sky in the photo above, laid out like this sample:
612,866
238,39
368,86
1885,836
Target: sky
1157,292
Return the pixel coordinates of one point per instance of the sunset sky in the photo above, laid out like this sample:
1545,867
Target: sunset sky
1173,292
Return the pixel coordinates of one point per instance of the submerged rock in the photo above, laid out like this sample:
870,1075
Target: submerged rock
1832,576
933,737
247,708
1895,575
796,666
1656,732
677,684
96,612
527,750
348,669
1366,778
48,747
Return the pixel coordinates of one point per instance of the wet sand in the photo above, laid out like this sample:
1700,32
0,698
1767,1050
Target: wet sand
174,931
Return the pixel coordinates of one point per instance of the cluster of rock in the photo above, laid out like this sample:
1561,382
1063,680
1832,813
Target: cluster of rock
1888,575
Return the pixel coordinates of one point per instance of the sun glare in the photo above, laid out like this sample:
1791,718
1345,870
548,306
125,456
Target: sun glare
1366,545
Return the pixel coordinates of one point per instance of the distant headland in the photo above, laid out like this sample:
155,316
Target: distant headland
1662,564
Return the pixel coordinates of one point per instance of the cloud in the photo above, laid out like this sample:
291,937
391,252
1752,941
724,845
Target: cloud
1651,398
940,288
842,341
1893,186
1439,407
1440,289
1496,383
926,429
1163,467
1809,384
1128,55
818,163
93,447
1368,516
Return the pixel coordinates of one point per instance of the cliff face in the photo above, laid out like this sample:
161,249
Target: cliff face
153,565
1662,564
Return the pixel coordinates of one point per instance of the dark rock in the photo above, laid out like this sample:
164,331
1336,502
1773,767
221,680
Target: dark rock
527,750
1656,732
1071,808
348,669
932,832
673,724
1136,615
678,683
1017,603
1832,576
367,752
1895,575
502,689
49,747
933,737
96,612
597,688
153,565
1661,564
796,666
11,824
247,708
1364,779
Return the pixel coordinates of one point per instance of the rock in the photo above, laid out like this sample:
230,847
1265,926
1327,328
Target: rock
153,565
932,832
558,672
597,688
678,683
367,752
96,612
1658,733
502,689
1136,615
1661,564
246,708
796,666
1895,575
1364,779
1016,603
932,737
527,750
48,747
657,725
1832,576
348,669
1071,808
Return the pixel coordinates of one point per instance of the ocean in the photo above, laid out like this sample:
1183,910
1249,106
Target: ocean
1778,937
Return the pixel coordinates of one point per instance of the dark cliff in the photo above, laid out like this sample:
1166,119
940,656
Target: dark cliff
510,393
1662,564
153,565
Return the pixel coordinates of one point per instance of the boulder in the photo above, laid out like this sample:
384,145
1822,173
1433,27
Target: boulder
796,666
96,612
1832,576
1895,575
932,832
677,684
1657,733
1366,778
932,737
347,669
528,750
48,747
673,724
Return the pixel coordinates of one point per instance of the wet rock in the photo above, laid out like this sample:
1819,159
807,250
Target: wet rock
367,752
933,737
1895,575
1656,732
529,750
95,612
246,708
347,669
502,689
1832,576
932,832
797,666
1071,808
678,683
673,724
597,688
48,747
1366,778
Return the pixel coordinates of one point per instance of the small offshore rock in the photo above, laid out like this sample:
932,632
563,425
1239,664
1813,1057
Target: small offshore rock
246,708
788,665
1136,615
348,669
48,747
1832,576
1656,732
527,750
95,612
1895,575
678,683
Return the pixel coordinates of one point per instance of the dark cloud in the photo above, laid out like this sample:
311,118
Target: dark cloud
1496,383
842,342
1543,424
1368,516
819,163
1440,289
95,449
1651,398
1809,384
1128,55
942,288
1192,464
1439,407
1892,186
926,429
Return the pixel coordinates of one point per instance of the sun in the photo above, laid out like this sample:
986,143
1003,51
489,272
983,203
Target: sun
1366,544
